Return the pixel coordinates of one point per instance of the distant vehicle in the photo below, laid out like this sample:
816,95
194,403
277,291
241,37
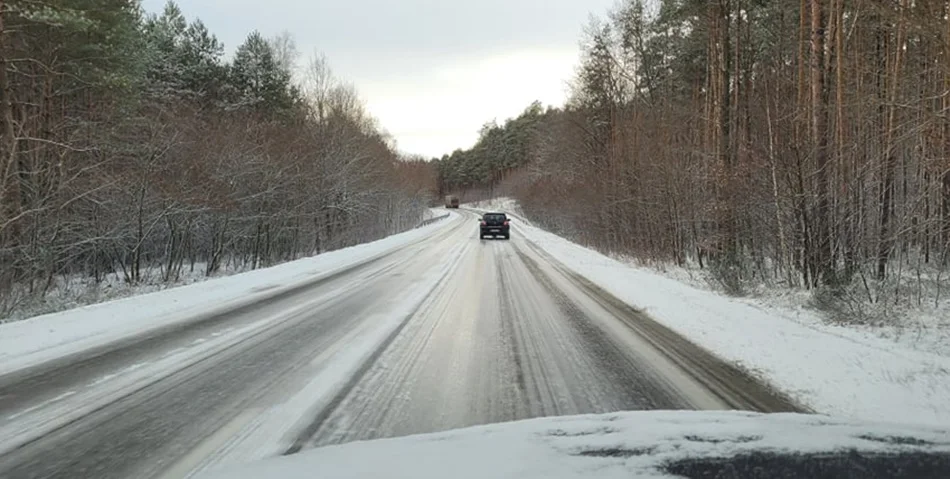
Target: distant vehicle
451,201
494,224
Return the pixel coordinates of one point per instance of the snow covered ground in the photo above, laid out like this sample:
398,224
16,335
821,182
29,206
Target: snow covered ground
624,445
47,337
921,327
838,370
78,291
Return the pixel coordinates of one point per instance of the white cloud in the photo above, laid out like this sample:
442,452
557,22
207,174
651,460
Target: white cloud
443,109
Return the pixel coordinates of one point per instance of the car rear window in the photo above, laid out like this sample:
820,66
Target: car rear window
495,217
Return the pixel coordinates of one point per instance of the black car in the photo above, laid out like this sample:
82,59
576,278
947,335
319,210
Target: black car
494,224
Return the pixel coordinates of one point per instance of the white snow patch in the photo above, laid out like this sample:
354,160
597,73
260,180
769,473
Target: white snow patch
44,338
920,327
499,205
623,445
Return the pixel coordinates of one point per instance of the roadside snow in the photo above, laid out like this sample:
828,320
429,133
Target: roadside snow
924,328
501,205
76,291
832,369
624,445
44,338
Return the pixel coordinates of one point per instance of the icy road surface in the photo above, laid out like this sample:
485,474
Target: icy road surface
446,332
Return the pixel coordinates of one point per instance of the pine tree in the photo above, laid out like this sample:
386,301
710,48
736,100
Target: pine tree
258,78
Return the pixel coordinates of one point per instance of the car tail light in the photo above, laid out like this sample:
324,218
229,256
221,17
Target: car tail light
484,223
506,222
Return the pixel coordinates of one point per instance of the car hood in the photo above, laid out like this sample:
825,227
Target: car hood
634,444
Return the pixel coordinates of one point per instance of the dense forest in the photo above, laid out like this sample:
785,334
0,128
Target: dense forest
799,144
130,146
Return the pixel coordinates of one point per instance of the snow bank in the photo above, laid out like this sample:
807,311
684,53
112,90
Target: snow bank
43,338
502,205
78,290
637,444
834,370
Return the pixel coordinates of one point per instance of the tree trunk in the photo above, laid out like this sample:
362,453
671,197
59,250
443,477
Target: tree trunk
886,239
822,260
10,195
945,194
722,136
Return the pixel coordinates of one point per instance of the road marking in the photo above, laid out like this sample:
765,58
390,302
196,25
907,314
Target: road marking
41,405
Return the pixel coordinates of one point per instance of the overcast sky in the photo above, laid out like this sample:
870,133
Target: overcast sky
431,71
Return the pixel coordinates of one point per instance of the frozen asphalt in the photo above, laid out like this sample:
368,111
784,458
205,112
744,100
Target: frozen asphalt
486,331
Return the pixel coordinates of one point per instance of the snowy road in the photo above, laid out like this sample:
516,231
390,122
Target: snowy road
456,332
